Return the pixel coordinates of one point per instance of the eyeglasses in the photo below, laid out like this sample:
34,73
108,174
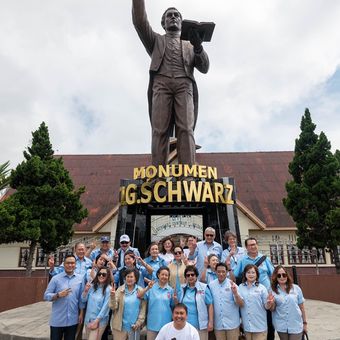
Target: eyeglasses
178,253
283,275
102,274
124,242
190,274
209,235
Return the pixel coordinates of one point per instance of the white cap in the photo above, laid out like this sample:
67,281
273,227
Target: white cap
124,238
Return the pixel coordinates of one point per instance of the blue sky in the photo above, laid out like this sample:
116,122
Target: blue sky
80,67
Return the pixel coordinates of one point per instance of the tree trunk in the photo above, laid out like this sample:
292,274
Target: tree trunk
336,259
30,258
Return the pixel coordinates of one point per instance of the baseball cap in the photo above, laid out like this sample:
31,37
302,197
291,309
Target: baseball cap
105,239
124,238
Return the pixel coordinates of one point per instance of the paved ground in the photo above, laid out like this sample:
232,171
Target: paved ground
31,322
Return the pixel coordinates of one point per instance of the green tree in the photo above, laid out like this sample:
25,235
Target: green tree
313,193
45,205
4,178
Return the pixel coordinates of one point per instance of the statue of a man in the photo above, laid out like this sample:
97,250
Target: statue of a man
172,93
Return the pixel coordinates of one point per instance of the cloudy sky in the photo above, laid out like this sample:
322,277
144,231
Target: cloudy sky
79,66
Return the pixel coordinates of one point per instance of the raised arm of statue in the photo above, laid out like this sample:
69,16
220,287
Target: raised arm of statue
142,26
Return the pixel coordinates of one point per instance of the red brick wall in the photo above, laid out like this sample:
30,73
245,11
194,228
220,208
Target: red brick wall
16,292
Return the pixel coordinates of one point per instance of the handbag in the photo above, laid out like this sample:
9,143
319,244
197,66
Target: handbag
304,336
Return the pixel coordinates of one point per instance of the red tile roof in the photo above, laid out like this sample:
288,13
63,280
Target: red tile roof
260,181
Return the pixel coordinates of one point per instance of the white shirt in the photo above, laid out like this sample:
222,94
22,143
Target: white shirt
169,332
167,257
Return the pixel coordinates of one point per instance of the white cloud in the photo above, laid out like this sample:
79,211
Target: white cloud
79,65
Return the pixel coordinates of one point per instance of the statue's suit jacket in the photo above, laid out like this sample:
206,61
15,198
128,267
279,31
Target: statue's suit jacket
155,44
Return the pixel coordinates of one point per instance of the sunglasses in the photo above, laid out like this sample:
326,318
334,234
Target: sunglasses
102,274
209,235
124,242
283,275
190,275
178,252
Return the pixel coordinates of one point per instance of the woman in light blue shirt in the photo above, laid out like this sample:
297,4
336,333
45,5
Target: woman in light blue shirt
154,260
97,297
161,299
129,310
232,254
289,316
209,273
130,262
255,301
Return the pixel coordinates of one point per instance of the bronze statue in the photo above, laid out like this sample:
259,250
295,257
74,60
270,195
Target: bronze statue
172,93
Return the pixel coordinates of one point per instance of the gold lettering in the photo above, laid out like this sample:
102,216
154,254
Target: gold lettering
146,193
175,192
139,173
122,195
192,188
202,171
177,170
207,193
164,171
156,190
131,193
228,193
218,191
212,172
190,170
151,171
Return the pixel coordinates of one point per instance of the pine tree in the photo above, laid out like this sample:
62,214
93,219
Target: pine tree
313,193
45,205
4,178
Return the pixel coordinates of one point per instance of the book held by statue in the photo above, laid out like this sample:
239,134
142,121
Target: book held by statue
205,29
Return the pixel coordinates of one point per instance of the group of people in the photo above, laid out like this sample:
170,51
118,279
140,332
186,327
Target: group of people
176,293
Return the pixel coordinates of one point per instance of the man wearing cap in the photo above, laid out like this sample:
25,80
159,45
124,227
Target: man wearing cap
105,249
125,245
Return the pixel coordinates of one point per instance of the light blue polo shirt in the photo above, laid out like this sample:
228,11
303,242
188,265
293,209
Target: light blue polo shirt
131,308
235,258
226,311
210,276
160,303
287,316
155,264
189,300
254,315
204,249
266,269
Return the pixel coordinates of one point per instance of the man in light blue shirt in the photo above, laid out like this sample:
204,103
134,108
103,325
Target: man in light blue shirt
83,263
266,269
105,248
64,290
226,301
125,245
207,247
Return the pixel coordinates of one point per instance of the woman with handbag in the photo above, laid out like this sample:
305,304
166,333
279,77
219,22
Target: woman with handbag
289,316
96,295
128,310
